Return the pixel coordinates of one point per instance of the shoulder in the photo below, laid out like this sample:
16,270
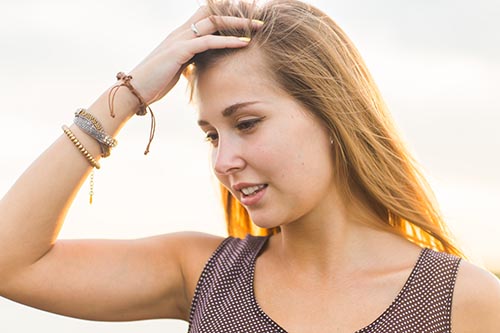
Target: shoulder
476,300
186,246
191,250
194,249
223,255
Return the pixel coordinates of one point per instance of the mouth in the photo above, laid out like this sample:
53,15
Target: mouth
250,191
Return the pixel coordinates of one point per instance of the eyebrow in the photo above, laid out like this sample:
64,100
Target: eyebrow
229,111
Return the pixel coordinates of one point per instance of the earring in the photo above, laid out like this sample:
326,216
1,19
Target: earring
331,140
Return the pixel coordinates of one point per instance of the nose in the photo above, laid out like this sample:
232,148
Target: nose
226,157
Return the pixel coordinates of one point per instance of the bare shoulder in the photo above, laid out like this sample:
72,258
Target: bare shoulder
194,250
191,244
476,300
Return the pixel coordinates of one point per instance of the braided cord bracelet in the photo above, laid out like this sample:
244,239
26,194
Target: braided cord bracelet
124,80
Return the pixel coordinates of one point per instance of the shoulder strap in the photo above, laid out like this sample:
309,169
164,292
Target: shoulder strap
424,305
228,272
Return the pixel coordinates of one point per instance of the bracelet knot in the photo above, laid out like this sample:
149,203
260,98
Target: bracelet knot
124,80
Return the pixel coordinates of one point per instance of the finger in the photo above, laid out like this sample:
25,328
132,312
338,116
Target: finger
208,42
212,24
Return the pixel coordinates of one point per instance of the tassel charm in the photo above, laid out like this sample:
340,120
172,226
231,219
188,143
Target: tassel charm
91,193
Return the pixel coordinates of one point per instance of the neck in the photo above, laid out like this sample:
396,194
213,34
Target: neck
328,242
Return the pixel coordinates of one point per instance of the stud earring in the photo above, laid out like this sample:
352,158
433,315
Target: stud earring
331,140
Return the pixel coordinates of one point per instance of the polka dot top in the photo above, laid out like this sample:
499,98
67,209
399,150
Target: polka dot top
224,299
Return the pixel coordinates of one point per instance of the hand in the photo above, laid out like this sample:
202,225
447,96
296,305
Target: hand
158,73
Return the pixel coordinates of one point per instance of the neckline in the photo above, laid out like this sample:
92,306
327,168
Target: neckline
374,323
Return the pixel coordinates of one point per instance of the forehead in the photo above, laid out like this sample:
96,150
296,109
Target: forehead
242,77
245,84
237,78
245,61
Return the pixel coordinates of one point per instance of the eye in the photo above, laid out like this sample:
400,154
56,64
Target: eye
248,124
211,137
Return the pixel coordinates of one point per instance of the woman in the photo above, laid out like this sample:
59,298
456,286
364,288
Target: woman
301,143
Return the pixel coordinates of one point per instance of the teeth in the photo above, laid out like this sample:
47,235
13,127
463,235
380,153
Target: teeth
252,189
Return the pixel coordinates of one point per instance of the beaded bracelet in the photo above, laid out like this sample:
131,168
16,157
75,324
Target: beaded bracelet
86,154
81,148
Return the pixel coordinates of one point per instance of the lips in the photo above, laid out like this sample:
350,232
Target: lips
250,193
252,189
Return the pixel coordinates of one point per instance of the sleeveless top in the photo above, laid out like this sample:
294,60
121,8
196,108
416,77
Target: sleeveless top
224,299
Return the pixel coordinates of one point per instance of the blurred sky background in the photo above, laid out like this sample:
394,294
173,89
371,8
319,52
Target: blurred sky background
437,63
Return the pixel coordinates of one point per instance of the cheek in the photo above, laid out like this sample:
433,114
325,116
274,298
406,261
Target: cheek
281,162
273,154
305,163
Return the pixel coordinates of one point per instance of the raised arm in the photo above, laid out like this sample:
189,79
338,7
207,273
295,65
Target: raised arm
103,280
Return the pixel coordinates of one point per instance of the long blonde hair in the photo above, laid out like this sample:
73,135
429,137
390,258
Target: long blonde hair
314,61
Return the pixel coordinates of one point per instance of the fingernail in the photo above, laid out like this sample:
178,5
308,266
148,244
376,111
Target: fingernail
258,22
245,39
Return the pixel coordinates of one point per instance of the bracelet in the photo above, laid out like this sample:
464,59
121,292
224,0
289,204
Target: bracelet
81,148
86,154
107,139
90,125
143,107
87,127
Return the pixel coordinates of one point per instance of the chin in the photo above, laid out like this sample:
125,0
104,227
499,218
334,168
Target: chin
267,222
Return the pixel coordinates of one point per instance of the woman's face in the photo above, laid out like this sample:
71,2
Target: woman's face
267,149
